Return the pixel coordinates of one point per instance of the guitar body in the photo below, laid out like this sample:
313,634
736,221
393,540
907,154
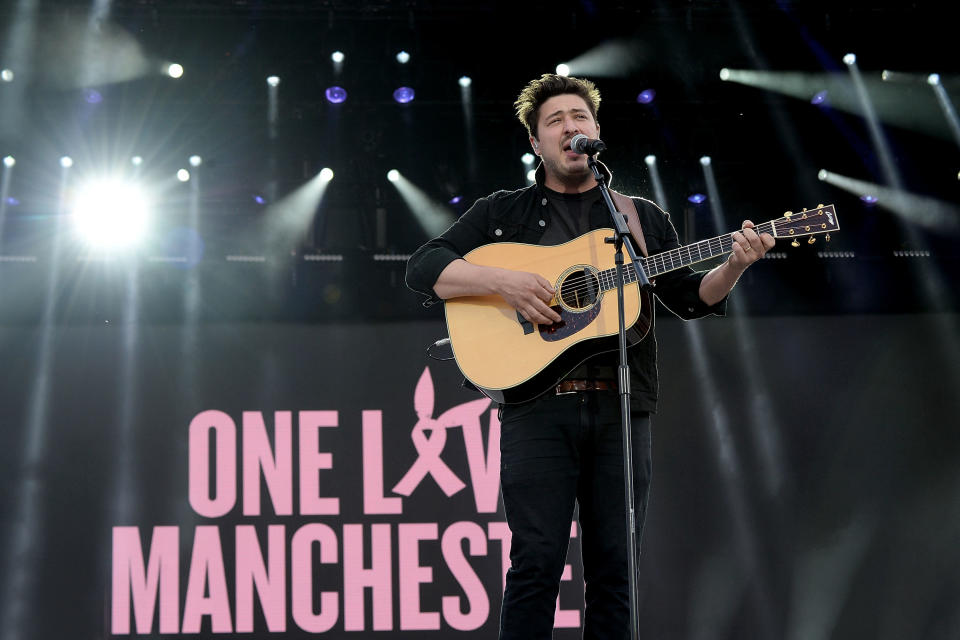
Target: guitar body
511,360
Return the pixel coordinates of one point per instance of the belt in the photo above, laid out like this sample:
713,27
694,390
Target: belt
572,386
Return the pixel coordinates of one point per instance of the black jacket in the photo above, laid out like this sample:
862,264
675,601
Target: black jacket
523,216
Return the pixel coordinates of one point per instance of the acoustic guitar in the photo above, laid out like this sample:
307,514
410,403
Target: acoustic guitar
512,360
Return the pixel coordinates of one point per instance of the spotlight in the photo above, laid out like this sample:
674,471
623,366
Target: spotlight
183,175
724,74
885,75
110,214
273,81
326,174
336,95
650,160
869,199
403,57
66,162
646,96
337,56
822,174
92,96
403,95
9,161
196,161
563,69
532,175
697,198
259,199
705,161
393,175
933,79
455,200
174,70
819,98
465,81
6,75
136,161
850,59
13,202
527,158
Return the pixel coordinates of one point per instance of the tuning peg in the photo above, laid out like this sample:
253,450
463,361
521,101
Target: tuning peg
788,214
795,244
827,237
820,206
811,240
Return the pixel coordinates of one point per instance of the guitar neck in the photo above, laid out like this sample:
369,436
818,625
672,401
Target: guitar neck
677,258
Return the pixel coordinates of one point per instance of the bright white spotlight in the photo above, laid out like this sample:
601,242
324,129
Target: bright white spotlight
849,59
527,158
822,174
326,174
273,81
724,74
66,162
174,70
6,75
650,160
532,175
110,214
9,161
563,69
196,161
933,79
183,175
465,81
403,57
337,56
705,161
393,175
136,161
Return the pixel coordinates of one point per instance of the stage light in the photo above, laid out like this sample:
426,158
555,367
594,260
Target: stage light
850,59
819,98
724,74
196,161
697,198
273,81
869,199
174,70
326,174
6,75
885,75
336,95
136,161
646,96
110,214
822,174
465,81
183,175
403,95
403,57
527,158
92,96
66,162
337,56
705,161
259,199
9,161
563,70
455,200
650,160
933,79
532,175
12,201
393,175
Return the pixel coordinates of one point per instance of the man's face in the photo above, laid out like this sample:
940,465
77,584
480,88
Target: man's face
560,119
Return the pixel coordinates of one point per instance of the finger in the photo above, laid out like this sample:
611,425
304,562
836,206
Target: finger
545,284
546,312
741,241
747,224
768,241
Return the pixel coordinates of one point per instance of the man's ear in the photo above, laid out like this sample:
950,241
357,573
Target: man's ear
535,144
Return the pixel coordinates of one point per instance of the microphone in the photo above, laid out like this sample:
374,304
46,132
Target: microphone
586,146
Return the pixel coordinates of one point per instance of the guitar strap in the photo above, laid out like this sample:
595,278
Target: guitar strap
627,207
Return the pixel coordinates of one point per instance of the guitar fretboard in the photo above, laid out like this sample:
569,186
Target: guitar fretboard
676,258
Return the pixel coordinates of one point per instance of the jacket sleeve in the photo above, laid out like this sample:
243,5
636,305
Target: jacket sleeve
678,290
464,235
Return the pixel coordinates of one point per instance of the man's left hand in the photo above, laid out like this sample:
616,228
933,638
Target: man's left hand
749,246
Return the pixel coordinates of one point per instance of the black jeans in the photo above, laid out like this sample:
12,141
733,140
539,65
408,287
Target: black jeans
555,451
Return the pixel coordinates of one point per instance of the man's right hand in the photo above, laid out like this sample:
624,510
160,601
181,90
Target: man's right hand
528,293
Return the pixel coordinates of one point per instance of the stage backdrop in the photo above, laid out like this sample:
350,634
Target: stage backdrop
279,479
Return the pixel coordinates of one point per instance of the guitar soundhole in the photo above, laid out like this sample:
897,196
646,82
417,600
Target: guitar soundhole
579,290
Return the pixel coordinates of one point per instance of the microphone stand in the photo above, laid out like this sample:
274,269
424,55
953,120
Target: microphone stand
621,237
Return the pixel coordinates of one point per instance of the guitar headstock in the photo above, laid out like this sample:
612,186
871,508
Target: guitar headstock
810,222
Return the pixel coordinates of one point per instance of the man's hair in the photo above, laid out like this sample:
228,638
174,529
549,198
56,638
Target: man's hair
545,87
